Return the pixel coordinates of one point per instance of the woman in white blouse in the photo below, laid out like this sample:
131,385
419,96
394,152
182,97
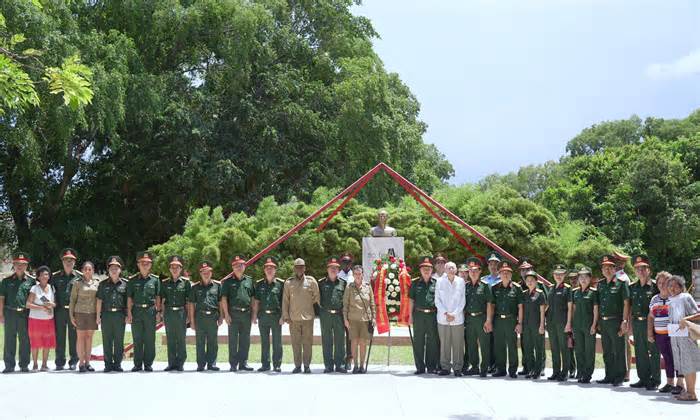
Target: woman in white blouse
42,333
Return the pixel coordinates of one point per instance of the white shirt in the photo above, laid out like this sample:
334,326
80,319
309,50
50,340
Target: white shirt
345,275
449,298
622,276
38,293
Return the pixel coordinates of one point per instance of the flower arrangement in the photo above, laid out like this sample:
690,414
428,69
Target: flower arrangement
388,269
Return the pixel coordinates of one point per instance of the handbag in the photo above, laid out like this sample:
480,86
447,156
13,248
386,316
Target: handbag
370,324
693,331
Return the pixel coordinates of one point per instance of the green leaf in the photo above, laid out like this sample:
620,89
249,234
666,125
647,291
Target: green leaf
17,39
2,21
32,52
17,91
71,80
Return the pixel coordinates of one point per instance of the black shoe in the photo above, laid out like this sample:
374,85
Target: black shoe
572,375
483,374
356,369
341,369
666,389
307,369
617,383
604,381
213,368
296,370
492,369
529,376
638,384
554,377
328,370
24,369
277,369
200,368
514,375
498,374
118,369
107,369
71,366
82,369
522,372
458,373
136,369
168,369
563,378
444,372
8,370
361,370
676,390
626,380
233,368
417,372
244,366
472,372
579,380
59,367
89,368
348,365
433,371
180,368
586,380
148,368
652,387
263,368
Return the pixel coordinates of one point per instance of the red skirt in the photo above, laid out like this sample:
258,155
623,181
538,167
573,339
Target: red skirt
42,333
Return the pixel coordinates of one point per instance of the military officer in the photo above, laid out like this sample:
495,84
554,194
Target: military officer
508,315
332,289
299,298
646,354
14,291
573,282
174,292
614,298
534,305
203,305
143,311
111,314
345,273
559,324
423,317
236,302
585,322
62,282
267,313
477,313
492,278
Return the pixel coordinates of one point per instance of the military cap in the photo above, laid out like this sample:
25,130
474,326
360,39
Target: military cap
69,253
425,261
175,260
205,266
463,267
474,262
439,258
607,260
144,256
560,269
573,273
584,271
505,266
620,256
332,262
346,257
531,273
115,260
299,263
21,257
270,262
237,259
525,264
641,260
494,257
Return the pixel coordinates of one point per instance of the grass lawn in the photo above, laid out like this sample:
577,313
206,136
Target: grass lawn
400,355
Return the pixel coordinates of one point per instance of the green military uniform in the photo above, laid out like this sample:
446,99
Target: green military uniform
239,294
269,296
506,305
15,291
174,294
584,342
426,347
646,354
533,341
477,298
572,352
204,299
113,319
612,296
62,284
557,316
332,325
143,292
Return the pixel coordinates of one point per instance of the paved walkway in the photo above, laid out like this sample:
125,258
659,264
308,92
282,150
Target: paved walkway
381,393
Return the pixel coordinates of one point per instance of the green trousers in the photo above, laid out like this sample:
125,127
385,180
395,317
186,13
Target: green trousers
477,339
143,329
206,336
561,362
426,347
332,339
112,326
269,324
646,355
584,346
505,344
533,347
65,330
238,337
572,360
16,331
614,356
175,332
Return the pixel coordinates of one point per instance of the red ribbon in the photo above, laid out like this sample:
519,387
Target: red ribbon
380,300
404,309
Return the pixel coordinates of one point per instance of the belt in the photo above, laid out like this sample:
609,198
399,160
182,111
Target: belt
114,309
426,310
144,305
640,318
206,312
333,311
505,316
607,318
174,308
66,306
239,309
12,308
268,311
474,313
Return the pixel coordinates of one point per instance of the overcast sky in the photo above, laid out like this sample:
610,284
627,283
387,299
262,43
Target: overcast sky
507,83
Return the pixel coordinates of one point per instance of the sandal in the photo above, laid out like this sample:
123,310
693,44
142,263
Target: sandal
687,396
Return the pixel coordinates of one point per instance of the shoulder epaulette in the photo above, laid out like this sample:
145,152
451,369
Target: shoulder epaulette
195,283
634,282
279,279
415,279
575,289
216,281
133,276
483,281
185,278
498,283
322,279
567,285
258,281
80,273
55,273
595,289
